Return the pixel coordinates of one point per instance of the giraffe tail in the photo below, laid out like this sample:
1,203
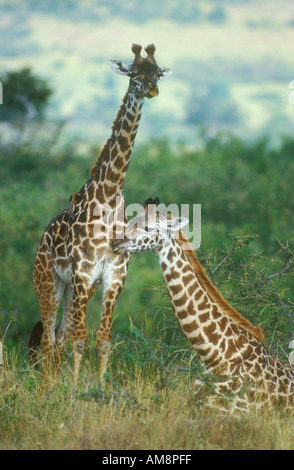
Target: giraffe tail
35,342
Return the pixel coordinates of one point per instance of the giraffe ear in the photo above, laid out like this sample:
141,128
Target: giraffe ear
118,67
177,223
165,73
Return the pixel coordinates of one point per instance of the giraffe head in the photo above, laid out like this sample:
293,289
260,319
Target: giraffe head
143,72
148,230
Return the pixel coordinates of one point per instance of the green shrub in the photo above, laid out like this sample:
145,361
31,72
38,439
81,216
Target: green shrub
244,189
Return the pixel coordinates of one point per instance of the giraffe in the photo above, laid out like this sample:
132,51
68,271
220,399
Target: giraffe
73,255
245,375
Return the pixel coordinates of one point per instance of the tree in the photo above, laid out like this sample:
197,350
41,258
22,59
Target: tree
25,96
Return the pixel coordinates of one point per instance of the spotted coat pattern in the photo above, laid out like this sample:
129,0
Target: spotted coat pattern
239,369
73,256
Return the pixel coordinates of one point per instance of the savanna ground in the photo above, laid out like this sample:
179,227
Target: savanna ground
141,406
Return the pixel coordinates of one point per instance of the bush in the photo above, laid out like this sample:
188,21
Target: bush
244,189
24,95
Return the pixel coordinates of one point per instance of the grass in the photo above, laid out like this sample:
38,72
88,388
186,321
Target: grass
142,405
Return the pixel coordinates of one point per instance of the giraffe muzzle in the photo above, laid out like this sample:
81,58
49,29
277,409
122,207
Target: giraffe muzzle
152,91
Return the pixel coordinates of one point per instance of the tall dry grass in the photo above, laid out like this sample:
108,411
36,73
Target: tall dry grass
149,407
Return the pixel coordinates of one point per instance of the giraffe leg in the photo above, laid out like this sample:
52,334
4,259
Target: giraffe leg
112,284
79,341
49,289
47,344
79,335
65,329
71,326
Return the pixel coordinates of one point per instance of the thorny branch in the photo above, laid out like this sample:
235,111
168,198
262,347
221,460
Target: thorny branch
238,242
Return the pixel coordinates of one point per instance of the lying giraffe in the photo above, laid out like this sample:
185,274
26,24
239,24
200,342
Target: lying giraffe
246,375
73,256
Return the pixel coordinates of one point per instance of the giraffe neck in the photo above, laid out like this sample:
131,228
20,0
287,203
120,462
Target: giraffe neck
212,332
111,166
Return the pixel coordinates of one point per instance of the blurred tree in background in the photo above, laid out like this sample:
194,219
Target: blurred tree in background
25,96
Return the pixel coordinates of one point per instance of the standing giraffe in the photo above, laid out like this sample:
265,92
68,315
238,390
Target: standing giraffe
73,256
229,346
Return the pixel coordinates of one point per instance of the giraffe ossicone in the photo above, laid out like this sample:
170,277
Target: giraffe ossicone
246,375
147,64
